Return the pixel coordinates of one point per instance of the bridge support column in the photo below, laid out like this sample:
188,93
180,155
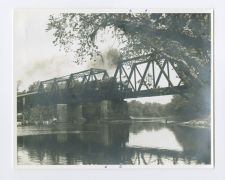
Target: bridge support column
106,110
61,113
91,111
119,110
75,113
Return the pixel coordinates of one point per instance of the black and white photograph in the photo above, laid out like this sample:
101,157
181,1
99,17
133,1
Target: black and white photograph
120,88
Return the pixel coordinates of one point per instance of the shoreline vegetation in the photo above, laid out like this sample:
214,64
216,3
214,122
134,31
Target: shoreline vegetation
195,123
193,110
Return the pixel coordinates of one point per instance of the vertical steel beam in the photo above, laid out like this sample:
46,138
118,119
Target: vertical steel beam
153,74
89,77
54,85
68,82
135,78
41,88
120,77
95,77
168,71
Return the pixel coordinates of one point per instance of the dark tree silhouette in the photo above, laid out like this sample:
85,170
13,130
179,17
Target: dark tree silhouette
184,37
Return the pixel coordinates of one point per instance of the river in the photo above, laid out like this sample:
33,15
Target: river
115,143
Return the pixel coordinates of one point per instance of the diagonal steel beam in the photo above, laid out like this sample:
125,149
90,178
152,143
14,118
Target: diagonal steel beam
116,72
160,74
143,78
179,83
163,72
176,70
129,82
131,73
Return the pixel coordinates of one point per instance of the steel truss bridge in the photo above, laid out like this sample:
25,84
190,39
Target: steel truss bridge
143,76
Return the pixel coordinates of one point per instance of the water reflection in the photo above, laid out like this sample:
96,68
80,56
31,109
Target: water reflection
155,139
117,143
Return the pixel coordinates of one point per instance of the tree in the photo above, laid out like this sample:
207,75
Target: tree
138,109
197,105
34,86
18,84
135,108
184,37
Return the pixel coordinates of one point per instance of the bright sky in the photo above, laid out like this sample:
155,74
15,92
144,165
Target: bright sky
36,58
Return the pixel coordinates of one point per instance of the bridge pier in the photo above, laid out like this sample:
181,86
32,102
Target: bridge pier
106,110
114,110
75,113
119,110
105,107
62,114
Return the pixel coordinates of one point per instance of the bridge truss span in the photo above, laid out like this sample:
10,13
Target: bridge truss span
73,80
143,76
150,75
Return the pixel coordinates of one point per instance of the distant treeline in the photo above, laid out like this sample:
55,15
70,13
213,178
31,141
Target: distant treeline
194,105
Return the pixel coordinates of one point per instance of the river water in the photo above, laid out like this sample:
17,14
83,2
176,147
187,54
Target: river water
114,143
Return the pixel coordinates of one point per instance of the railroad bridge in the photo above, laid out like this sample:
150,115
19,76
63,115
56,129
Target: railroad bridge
94,94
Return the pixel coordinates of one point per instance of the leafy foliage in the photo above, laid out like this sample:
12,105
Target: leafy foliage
34,86
196,106
184,37
138,109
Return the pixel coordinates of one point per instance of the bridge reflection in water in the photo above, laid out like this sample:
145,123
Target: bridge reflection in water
114,143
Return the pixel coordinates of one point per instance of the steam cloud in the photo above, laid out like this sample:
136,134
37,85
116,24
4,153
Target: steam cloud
109,61
62,65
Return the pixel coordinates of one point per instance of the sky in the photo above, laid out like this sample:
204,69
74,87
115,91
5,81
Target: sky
36,58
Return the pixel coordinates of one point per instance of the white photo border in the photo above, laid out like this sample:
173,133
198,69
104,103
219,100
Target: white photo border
7,129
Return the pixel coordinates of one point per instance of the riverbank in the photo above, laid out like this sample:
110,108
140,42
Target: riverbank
195,123
198,123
